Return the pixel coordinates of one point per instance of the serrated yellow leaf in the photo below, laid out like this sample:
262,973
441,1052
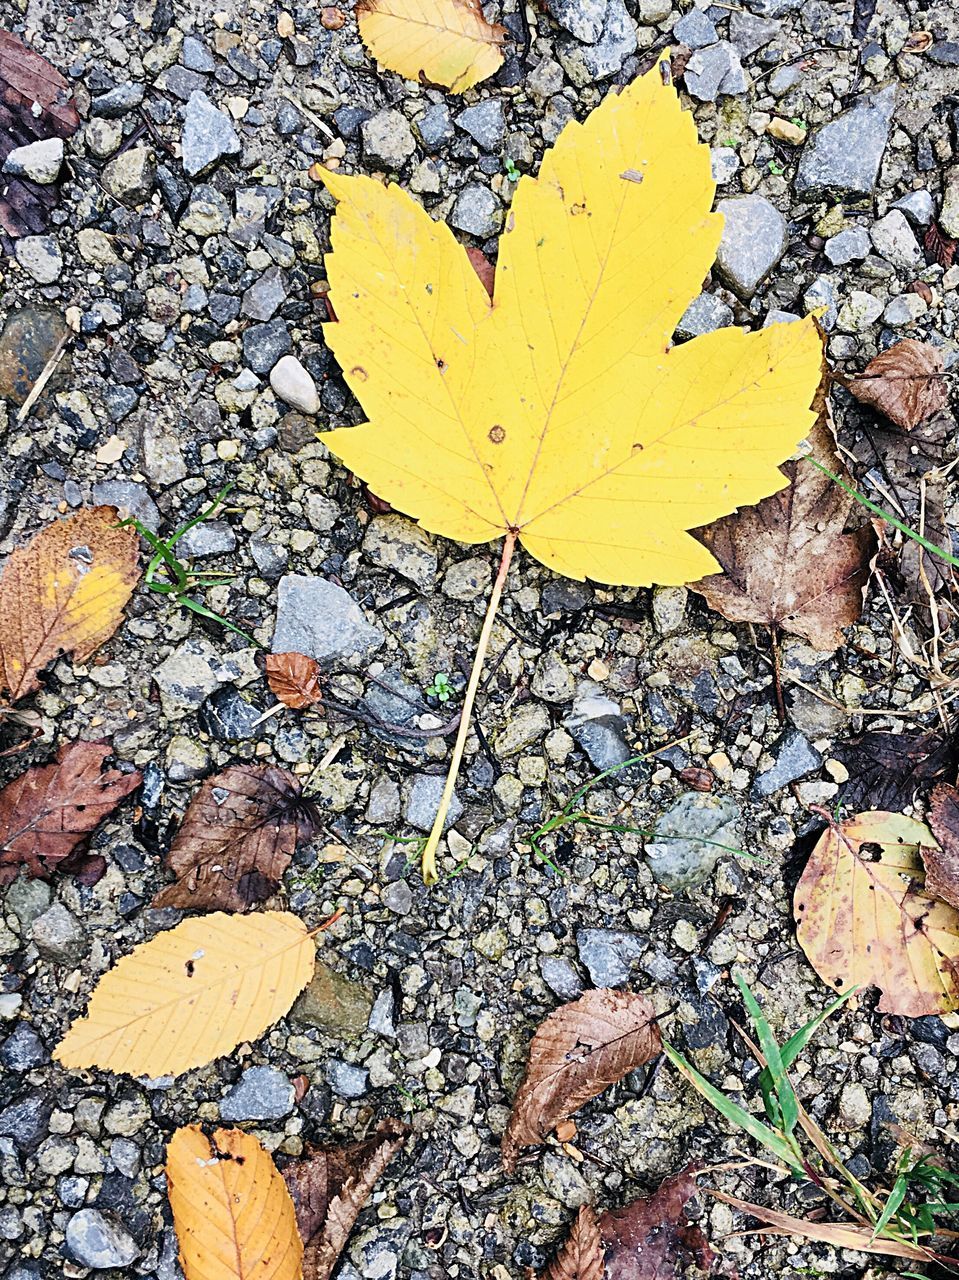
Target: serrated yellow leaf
233,1215
559,411
444,42
192,993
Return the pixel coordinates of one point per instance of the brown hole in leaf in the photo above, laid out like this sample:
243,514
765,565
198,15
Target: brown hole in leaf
497,434
190,968
359,372
440,363
871,850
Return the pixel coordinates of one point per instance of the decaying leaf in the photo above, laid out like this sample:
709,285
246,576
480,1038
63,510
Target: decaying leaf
232,1213
938,247
792,563
330,1186
441,42
294,679
580,1050
64,592
905,383
864,917
236,839
580,1256
888,770
47,813
942,859
191,994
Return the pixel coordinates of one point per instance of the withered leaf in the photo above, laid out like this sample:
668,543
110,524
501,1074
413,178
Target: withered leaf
330,1186
888,770
64,592
939,248
792,562
48,812
580,1050
483,268
942,864
294,679
236,839
580,1256
905,383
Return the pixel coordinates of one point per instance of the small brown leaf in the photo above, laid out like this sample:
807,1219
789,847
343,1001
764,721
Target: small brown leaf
330,1186
64,592
294,679
942,864
28,81
483,268
917,42
904,382
888,770
939,248
48,812
581,1049
236,839
652,1239
581,1255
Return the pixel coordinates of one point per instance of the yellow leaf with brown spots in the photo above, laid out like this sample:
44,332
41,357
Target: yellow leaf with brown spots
864,918
64,592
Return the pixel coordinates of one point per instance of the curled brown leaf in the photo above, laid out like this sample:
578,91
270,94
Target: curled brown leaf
294,679
580,1256
906,383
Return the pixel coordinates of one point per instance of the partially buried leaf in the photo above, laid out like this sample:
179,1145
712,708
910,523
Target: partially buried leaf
580,1256
797,562
330,1186
942,862
864,917
47,813
64,592
236,839
888,770
191,994
294,679
441,42
906,383
580,1050
938,247
232,1213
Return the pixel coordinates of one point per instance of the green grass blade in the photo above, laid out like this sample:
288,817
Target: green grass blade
896,1197
196,607
796,1043
788,1105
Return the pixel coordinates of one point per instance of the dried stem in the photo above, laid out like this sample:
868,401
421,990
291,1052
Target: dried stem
430,874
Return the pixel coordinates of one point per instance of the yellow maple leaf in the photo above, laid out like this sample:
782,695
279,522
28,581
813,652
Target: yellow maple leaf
445,42
557,413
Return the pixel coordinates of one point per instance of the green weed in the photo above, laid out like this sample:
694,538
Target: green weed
441,689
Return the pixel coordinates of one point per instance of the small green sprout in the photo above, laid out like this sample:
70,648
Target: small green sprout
509,167
441,689
775,167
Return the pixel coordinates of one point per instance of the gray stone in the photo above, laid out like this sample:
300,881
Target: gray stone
858,312
597,725
129,499
383,806
264,298
918,206
334,1004
785,78
40,257
695,30
392,542
208,135
293,384
97,1240
162,454
421,801
773,8
851,245
187,677
383,1014
904,310
252,207
701,823
207,214
703,315
754,239
776,316
264,344
196,55
477,211
398,898
724,163
228,717
186,759
38,161
608,955
895,240
130,177
485,123
211,538
841,158
117,102
795,757
26,1121
23,1050
388,139
27,899
583,19
561,977
269,558
949,209
715,72
944,53
261,1093
587,63
320,619
58,937
822,293
750,33
347,1080
434,127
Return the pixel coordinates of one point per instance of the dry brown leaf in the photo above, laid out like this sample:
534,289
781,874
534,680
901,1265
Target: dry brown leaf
938,247
237,839
789,562
580,1050
330,1186
64,592
294,679
942,864
917,42
483,268
888,770
905,383
581,1254
233,1215
864,917
47,813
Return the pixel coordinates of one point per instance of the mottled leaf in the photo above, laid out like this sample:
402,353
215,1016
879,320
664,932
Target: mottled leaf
580,1050
888,770
652,1239
905,383
48,812
942,862
28,81
294,679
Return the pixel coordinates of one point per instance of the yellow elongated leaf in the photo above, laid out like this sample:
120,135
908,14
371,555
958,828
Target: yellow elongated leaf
192,993
233,1215
445,42
558,411
863,917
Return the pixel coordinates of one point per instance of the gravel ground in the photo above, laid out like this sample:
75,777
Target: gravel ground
187,251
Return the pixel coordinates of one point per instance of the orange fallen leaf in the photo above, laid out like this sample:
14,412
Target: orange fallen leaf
294,679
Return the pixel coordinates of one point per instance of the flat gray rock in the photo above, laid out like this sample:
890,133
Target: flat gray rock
261,1093
97,1240
841,159
609,955
588,63
318,618
208,135
689,839
754,239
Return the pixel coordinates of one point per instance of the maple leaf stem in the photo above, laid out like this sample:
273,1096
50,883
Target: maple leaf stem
430,874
